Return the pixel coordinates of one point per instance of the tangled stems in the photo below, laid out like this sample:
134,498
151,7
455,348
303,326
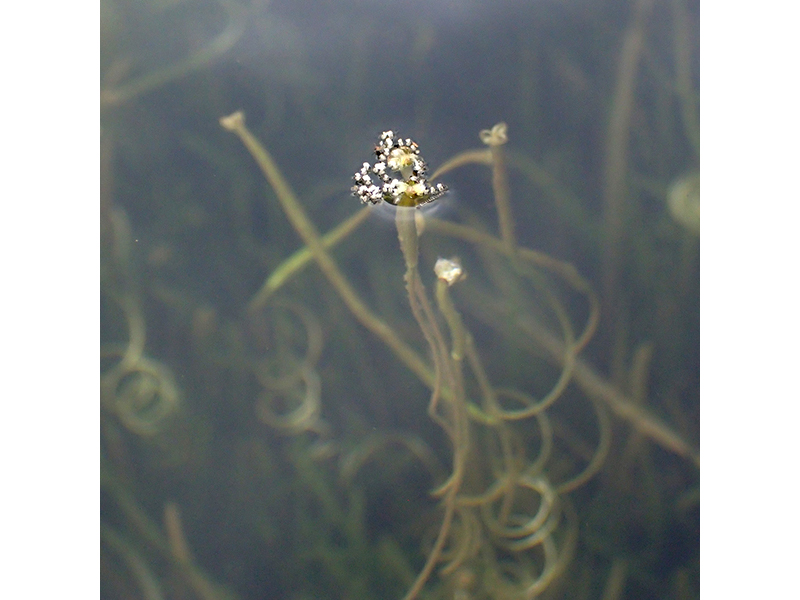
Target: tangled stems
457,425
171,547
584,375
407,234
504,485
302,257
310,236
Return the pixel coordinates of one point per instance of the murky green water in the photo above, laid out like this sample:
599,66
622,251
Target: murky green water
276,422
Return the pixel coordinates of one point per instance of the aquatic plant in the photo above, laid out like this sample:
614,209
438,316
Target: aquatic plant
511,531
304,411
507,527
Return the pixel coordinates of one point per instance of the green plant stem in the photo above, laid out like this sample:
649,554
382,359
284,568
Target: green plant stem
615,205
565,270
150,533
502,198
596,387
683,73
454,322
148,582
458,424
300,259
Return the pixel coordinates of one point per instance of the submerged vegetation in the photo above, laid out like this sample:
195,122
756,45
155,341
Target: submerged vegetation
496,397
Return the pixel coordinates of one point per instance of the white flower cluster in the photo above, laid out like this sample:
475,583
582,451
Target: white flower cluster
400,156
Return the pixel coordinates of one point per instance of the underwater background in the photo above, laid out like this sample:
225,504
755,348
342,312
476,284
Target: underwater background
292,408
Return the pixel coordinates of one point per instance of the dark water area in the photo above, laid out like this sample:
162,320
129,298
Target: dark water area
290,415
